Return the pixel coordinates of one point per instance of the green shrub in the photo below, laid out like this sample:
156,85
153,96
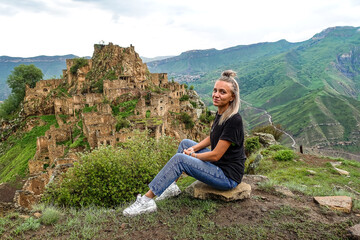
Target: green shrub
186,119
194,104
121,123
207,117
270,129
109,176
284,155
78,63
252,144
50,216
185,97
148,114
276,147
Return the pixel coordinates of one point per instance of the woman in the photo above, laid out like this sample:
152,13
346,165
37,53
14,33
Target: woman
221,168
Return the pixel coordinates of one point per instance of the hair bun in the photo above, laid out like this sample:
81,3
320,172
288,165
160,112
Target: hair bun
229,73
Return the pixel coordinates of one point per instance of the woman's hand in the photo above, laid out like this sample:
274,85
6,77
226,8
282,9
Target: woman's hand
189,151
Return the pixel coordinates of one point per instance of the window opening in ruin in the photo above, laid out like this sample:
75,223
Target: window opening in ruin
161,108
147,99
101,142
117,139
107,142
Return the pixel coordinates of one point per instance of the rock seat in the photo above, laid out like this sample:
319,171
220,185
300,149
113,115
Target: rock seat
203,191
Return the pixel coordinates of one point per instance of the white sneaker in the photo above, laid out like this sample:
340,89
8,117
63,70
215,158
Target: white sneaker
140,206
172,191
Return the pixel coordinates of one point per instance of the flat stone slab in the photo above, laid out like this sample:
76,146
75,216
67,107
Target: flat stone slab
340,203
341,172
203,191
355,231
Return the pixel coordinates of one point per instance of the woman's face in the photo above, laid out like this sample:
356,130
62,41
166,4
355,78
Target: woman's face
222,95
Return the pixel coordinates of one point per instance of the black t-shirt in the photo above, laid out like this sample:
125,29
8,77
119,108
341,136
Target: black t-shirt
233,161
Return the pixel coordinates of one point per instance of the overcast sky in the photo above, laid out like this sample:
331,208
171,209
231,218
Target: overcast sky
162,27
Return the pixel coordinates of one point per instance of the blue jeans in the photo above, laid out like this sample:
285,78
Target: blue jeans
205,172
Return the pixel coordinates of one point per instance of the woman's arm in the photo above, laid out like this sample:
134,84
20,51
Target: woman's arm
211,156
203,144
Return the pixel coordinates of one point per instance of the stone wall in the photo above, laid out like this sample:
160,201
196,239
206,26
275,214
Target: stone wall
41,89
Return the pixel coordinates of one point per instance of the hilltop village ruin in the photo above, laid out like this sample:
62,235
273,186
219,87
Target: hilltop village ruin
100,101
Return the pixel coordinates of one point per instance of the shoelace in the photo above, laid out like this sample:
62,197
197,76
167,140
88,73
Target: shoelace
136,203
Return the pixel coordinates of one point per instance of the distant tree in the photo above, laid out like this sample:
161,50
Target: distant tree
21,76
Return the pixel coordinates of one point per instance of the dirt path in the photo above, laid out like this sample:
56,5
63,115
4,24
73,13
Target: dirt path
293,145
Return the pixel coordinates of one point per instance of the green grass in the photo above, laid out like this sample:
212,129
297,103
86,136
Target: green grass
326,181
20,149
50,216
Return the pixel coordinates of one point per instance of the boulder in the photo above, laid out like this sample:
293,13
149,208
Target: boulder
203,191
340,203
355,231
266,139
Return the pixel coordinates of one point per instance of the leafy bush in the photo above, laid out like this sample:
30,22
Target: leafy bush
252,144
284,155
121,123
185,97
276,147
186,119
271,130
207,117
194,104
109,176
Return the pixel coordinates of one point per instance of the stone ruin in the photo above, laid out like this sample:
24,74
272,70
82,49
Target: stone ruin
84,101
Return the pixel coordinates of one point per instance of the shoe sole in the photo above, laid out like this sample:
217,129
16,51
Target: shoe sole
141,212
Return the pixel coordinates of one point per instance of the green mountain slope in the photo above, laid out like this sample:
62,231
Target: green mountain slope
311,88
202,61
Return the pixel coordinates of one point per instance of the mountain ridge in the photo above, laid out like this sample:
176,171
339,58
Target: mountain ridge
282,76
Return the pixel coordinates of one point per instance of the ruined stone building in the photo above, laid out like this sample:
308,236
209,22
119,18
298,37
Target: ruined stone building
100,101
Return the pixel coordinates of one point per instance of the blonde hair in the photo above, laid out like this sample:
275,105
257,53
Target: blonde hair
229,77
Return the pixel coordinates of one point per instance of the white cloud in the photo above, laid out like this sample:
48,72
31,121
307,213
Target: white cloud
162,27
